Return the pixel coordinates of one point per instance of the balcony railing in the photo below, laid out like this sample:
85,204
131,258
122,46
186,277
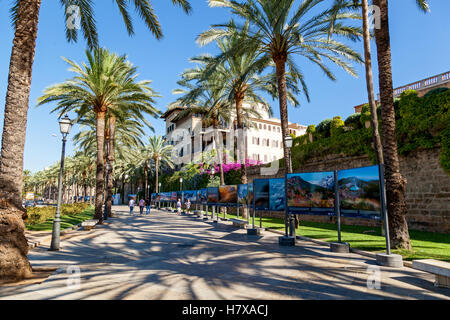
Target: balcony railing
423,84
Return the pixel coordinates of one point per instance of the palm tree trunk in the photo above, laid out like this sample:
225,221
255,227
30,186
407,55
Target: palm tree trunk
110,159
241,146
280,64
100,172
369,82
395,183
13,244
157,175
146,179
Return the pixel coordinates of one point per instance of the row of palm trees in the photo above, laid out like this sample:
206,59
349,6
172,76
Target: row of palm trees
105,90
135,164
272,34
25,18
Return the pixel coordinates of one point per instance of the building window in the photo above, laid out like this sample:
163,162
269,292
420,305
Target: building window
265,127
264,142
270,128
260,126
278,129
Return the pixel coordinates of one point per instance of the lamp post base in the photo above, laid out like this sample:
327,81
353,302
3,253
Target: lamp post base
286,241
389,260
340,247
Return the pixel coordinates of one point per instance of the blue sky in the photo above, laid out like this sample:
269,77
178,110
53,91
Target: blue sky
365,173
420,48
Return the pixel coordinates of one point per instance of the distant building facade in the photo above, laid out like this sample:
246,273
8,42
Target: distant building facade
262,141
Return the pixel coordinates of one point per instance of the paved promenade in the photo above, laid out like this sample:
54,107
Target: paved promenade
165,256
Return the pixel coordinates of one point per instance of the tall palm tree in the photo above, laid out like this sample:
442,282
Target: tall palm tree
104,84
160,153
25,18
395,183
119,138
209,98
282,32
240,77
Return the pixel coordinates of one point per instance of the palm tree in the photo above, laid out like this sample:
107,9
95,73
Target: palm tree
160,153
124,134
105,84
25,16
241,80
395,183
209,98
281,32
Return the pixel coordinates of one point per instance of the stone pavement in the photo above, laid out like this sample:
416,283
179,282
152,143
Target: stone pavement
165,256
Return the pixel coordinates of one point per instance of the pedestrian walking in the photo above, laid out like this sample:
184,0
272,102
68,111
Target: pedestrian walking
147,206
131,204
179,207
141,206
188,206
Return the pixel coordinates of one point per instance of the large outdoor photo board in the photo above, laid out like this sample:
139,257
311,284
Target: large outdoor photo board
261,194
228,196
277,194
359,193
213,196
311,193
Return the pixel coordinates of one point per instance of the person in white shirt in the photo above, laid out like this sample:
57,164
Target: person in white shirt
131,204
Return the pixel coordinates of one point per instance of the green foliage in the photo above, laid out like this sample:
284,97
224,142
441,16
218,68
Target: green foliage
38,215
352,143
311,129
353,121
421,123
323,128
336,126
424,123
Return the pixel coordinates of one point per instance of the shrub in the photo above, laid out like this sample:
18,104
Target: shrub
336,126
323,128
38,215
353,121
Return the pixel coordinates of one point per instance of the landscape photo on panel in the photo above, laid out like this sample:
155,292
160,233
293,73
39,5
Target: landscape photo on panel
359,192
174,196
202,196
313,190
276,194
261,194
228,195
191,195
213,195
242,194
250,195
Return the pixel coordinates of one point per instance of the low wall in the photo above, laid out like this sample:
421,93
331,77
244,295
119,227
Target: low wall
427,190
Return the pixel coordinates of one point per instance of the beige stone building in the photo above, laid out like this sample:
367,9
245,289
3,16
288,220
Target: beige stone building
263,141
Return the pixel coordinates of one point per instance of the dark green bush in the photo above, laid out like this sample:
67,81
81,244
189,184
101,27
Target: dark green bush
323,128
353,121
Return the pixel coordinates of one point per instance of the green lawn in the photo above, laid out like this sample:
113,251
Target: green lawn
426,245
66,221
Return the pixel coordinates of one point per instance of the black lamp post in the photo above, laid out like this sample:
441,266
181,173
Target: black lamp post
64,125
288,143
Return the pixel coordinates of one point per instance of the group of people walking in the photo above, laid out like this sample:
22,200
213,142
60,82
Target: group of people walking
146,204
142,204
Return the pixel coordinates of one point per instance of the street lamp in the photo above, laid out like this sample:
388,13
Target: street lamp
159,199
288,141
65,124
181,184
